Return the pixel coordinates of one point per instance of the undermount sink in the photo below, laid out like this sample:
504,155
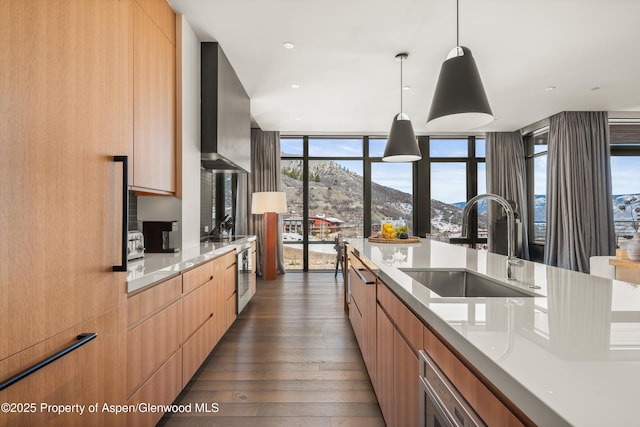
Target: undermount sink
463,283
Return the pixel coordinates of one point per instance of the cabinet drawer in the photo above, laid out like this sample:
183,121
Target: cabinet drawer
405,321
161,389
197,276
355,316
151,343
197,307
359,288
91,373
144,304
196,349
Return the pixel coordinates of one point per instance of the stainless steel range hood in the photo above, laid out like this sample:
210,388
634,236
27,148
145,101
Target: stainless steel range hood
219,163
225,114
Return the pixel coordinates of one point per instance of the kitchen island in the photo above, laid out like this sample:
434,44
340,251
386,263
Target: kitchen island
567,353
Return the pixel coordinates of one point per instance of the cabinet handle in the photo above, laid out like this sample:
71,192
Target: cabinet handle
361,276
125,210
82,339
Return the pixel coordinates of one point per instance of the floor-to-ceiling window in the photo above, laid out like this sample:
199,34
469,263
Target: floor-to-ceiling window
457,172
625,158
536,149
625,185
341,187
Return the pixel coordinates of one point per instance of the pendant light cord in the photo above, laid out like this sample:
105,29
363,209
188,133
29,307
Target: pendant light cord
401,61
457,23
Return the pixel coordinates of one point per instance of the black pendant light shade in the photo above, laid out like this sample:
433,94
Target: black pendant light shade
401,144
459,101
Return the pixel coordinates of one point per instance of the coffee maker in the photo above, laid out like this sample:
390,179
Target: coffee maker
157,236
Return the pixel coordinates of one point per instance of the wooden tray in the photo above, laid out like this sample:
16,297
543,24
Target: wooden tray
411,239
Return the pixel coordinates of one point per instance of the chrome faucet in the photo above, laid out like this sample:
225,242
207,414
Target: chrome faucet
512,260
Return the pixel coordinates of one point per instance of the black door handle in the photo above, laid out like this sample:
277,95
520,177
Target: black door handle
125,210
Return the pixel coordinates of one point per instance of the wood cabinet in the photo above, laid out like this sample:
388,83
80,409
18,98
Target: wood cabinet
398,341
154,97
202,311
384,367
363,299
154,352
66,111
230,294
394,371
162,388
89,374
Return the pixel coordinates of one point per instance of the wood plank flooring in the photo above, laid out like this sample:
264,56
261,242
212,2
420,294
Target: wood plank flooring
290,359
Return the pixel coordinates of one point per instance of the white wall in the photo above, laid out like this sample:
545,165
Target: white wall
187,209
190,135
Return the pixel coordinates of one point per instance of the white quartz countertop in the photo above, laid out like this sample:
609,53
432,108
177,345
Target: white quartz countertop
569,356
154,268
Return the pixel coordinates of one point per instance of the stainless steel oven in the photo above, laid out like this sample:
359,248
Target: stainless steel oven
441,405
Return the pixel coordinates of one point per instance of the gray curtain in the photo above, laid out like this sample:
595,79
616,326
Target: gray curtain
579,204
506,177
265,176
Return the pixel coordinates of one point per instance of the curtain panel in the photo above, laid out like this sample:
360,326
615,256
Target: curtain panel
579,203
265,176
506,177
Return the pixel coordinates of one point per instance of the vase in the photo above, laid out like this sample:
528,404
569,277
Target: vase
633,247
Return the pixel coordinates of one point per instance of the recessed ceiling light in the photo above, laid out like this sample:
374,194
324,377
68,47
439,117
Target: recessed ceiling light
406,87
288,45
549,88
298,118
295,86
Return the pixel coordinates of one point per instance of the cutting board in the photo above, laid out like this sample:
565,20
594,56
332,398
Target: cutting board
411,239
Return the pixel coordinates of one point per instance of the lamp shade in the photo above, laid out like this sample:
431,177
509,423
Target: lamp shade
459,101
268,201
401,144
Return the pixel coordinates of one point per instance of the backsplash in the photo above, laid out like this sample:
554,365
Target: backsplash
133,211
206,201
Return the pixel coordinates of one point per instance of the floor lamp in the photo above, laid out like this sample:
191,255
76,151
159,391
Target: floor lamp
269,204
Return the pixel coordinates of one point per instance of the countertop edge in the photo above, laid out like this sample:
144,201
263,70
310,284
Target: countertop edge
155,277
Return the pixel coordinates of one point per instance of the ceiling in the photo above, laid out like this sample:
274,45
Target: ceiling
344,58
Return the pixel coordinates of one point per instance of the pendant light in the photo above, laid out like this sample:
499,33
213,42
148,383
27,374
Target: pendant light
459,101
401,144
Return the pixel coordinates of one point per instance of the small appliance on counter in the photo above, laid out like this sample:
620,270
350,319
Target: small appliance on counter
157,236
135,245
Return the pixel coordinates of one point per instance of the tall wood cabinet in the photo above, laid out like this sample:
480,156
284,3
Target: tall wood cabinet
154,97
66,110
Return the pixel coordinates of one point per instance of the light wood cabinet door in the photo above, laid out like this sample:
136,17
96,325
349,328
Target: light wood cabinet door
66,111
383,384
154,105
406,388
93,373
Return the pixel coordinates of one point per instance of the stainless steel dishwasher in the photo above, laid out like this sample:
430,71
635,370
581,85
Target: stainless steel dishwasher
440,403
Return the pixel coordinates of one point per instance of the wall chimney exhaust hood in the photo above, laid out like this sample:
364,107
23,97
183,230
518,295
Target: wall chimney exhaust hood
225,114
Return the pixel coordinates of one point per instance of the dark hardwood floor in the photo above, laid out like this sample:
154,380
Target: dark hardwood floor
290,359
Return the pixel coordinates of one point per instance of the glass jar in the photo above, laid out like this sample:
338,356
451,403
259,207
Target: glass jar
388,229
401,228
